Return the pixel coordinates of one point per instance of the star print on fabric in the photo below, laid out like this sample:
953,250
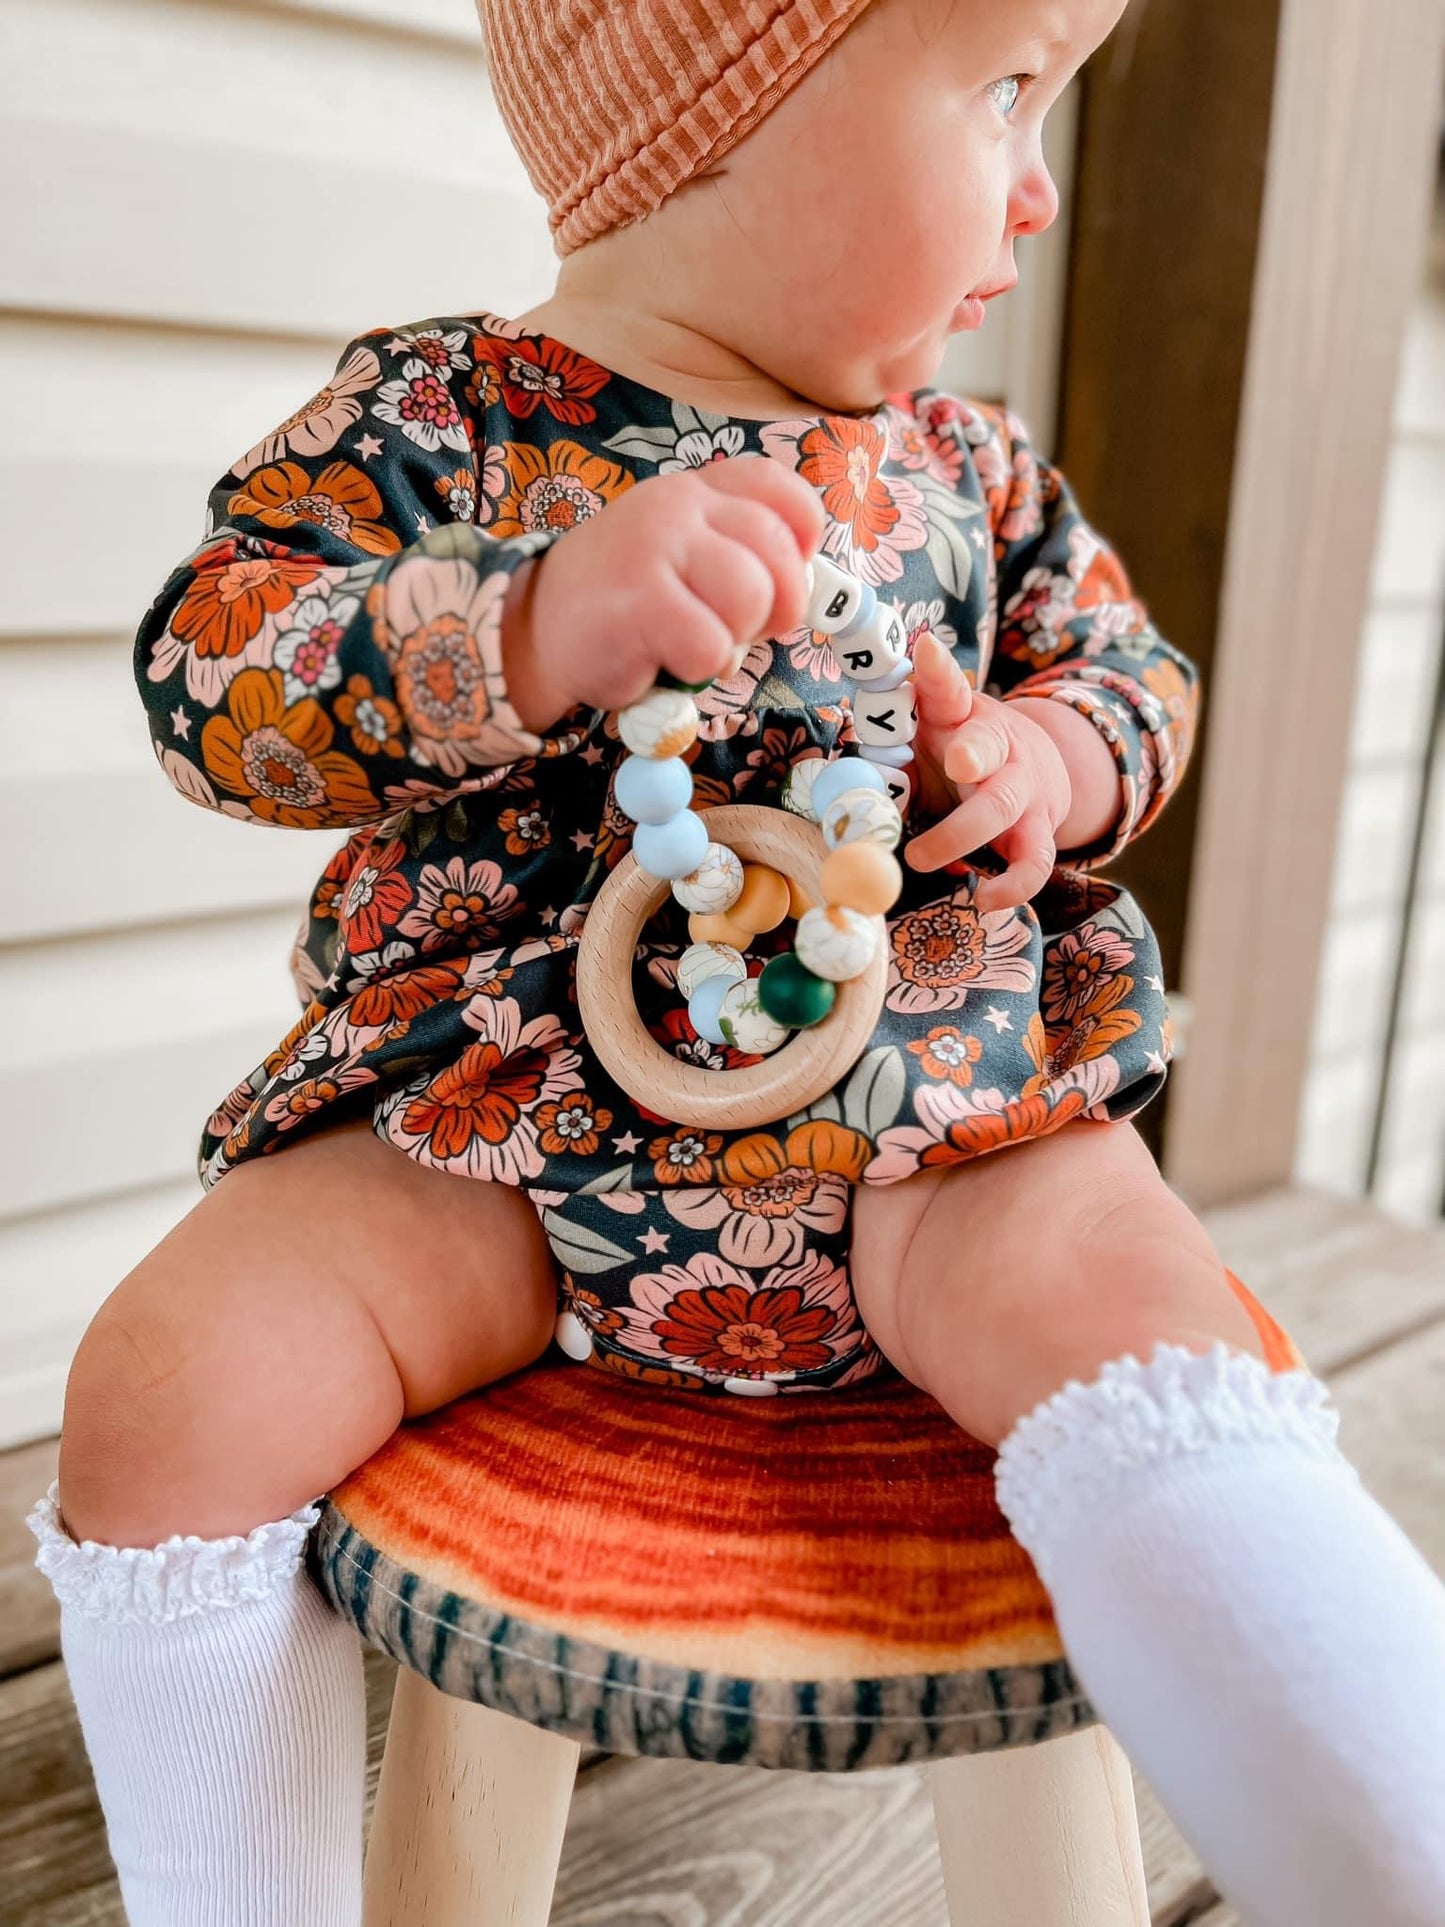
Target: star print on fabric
977,537
1155,983
1000,1019
180,723
423,527
1157,1064
592,755
547,917
582,841
652,1241
625,1145
368,445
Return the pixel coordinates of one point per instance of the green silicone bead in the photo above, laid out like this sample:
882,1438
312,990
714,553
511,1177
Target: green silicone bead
665,681
792,995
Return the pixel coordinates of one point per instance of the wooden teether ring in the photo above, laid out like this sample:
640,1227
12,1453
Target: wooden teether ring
794,1077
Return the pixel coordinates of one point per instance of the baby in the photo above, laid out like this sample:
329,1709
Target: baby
419,604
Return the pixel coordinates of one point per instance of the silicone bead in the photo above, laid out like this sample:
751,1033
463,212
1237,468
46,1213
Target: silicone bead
572,1336
752,1387
888,719
763,900
874,647
672,849
651,789
862,876
702,960
864,611
666,680
900,673
704,1007
848,773
790,993
746,1024
834,597
663,723
899,786
715,884
884,757
705,929
836,944
862,816
798,900
798,787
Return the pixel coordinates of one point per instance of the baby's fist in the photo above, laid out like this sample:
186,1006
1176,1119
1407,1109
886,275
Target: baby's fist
678,576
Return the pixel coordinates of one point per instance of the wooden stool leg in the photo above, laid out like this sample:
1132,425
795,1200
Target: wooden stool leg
470,1814
1041,1836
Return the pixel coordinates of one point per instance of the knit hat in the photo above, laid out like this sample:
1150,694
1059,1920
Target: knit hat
613,104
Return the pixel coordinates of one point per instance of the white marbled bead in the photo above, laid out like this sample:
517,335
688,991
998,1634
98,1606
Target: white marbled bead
862,816
672,849
847,773
835,943
662,724
650,789
746,1024
713,885
890,719
835,598
798,787
704,1007
702,960
573,1336
873,649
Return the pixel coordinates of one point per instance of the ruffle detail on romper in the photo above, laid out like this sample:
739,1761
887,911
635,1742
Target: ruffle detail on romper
182,1575
1081,1449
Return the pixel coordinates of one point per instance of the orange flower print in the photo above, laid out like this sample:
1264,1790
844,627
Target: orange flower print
375,898
459,902
481,1096
319,426
540,373
340,500
556,488
713,1318
1180,696
604,1320
946,1052
842,459
430,618
685,1158
1015,1122
484,386
955,1124
1054,1052
1080,973
390,1003
226,619
375,723
279,761
573,1123
459,494
944,950
524,830
771,1196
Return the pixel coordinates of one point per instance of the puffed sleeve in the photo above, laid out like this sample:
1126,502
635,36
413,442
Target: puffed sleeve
1069,627
332,651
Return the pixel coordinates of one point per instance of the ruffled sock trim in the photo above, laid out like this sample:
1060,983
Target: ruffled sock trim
1086,1445
182,1575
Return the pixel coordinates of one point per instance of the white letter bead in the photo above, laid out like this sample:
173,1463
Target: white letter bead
573,1336
834,597
874,648
899,786
746,1024
702,960
835,943
890,719
884,757
798,787
651,789
672,849
705,1005
859,816
714,885
848,773
663,723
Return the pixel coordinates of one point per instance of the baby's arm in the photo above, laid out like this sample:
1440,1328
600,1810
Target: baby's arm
348,641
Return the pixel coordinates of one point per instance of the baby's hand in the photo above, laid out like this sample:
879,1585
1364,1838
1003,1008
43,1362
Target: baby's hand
679,575
1003,772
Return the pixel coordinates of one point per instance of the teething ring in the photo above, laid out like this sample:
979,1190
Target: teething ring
777,1087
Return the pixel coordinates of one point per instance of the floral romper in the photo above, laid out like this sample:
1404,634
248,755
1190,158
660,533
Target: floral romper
329,658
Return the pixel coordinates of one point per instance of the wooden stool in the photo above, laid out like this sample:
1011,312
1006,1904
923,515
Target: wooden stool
820,1581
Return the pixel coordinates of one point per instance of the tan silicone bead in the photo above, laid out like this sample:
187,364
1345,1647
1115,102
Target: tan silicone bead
798,900
762,902
863,877
717,929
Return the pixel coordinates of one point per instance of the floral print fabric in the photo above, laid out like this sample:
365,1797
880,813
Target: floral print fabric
329,658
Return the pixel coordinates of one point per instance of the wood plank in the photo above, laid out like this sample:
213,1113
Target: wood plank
29,1616
1345,210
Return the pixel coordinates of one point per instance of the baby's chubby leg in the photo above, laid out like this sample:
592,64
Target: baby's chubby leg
267,1346
1265,1641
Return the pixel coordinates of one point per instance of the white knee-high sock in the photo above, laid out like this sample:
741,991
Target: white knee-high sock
1266,1643
224,1712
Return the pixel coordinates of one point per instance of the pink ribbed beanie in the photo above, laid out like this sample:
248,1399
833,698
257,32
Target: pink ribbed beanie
613,104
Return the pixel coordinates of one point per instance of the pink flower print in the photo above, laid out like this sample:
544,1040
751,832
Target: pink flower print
1081,971
421,405
308,649
459,903
765,1222
724,707
941,952
955,1125
920,449
319,426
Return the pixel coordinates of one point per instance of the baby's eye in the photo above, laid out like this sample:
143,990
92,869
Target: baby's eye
1006,93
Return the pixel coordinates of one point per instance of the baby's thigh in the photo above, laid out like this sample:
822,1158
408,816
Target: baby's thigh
994,1281
283,1329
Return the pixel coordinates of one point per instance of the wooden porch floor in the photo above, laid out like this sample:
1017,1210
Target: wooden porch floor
658,1844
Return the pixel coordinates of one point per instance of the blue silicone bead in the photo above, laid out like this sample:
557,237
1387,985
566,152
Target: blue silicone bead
704,1007
651,790
848,773
672,849
898,758
865,609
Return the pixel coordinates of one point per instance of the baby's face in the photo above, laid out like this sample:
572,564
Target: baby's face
875,210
